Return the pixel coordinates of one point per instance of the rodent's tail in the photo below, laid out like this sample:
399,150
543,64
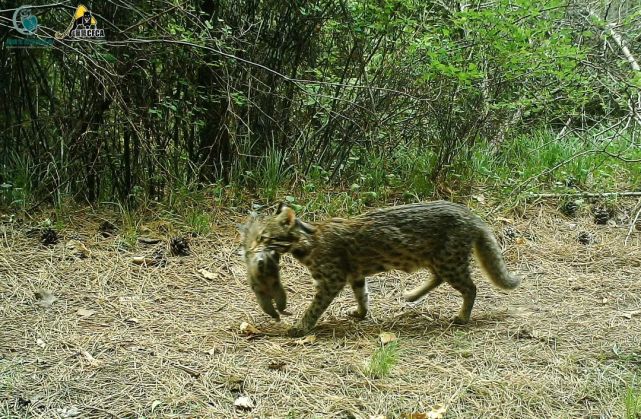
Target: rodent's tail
489,256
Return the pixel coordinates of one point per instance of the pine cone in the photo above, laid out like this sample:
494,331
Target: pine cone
569,208
159,258
601,216
179,246
585,237
49,237
107,229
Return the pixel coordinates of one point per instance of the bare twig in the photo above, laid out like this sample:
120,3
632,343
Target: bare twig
585,194
634,222
194,373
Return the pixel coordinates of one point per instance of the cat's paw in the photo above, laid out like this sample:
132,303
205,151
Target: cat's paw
411,296
296,332
460,320
275,316
357,314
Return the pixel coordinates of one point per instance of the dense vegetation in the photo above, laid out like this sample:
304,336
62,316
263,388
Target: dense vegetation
368,98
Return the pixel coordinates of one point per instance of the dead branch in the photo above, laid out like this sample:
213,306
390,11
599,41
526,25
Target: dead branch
586,194
634,222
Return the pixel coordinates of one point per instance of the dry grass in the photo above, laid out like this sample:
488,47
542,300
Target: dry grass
164,341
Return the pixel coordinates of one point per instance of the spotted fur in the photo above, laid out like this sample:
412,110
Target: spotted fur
439,236
263,266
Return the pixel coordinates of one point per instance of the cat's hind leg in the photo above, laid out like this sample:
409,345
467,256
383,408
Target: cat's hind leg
359,286
418,292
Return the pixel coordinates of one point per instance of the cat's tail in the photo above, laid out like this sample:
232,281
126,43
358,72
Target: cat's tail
488,253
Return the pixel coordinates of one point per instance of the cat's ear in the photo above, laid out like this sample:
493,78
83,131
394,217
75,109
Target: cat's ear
244,228
286,217
274,255
281,207
305,227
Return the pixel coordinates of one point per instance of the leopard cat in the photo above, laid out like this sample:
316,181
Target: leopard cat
439,236
263,273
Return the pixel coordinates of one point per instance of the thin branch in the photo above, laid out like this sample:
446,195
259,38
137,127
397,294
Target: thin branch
633,223
586,194
261,66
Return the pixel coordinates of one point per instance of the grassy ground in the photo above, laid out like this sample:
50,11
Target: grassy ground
124,340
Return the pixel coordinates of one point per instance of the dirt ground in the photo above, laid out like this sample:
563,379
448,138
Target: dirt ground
124,340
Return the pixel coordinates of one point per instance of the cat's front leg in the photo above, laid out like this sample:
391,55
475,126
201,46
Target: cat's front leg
326,291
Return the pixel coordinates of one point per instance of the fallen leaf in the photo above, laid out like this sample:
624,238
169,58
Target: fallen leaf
479,198
505,220
69,412
214,351
41,343
248,329
155,404
83,312
92,361
145,261
194,373
307,340
437,412
208,275
128,298
386,337
45,298
630,314
78,249
244,403
148,240
276,365
520,241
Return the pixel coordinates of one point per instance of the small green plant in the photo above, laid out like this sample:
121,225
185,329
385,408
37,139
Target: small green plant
128,235
273,173
198,222
383,360
129,238
18,188
632,402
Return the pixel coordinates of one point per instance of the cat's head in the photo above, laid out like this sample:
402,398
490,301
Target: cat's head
278,232
263,268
